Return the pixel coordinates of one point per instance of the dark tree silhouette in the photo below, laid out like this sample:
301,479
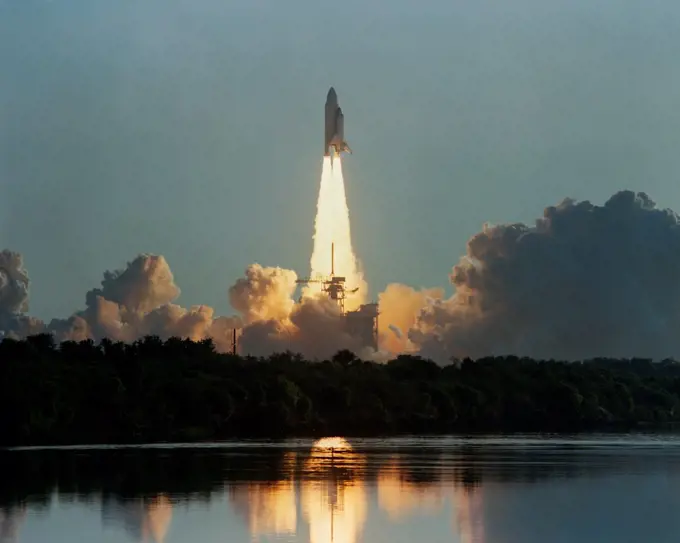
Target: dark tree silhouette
180,390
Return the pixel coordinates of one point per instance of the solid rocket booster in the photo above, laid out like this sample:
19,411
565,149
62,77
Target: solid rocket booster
334,135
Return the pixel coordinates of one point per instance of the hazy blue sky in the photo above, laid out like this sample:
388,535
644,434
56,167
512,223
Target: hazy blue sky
193,128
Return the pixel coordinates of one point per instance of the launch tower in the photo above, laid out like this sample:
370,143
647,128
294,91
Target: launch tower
361,323
333,285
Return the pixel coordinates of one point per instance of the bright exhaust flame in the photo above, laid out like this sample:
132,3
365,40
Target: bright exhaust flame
332,228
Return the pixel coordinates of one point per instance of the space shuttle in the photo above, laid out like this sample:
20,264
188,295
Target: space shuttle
334,136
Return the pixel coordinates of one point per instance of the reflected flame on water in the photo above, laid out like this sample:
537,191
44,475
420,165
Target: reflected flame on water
334,456
327,443
469,521
335,502
144,520
269,507
335,513
400,498
11,519
332,492
157,519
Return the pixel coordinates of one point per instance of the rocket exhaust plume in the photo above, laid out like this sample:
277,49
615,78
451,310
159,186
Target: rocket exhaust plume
332,229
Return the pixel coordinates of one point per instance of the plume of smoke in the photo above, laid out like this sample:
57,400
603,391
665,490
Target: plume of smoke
146,284
136,302
584,281
315,327
14,290
321,330
264,294
14,284
262,338
400,306
118,310
275,323
195,323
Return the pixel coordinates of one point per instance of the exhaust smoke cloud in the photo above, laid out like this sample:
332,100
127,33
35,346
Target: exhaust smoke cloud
583,281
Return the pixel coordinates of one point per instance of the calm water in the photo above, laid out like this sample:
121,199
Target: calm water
468,490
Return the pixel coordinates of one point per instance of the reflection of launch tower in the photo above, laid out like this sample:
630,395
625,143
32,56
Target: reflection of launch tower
336,512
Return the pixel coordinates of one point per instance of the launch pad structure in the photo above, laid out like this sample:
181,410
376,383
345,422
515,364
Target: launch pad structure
363,322
333,285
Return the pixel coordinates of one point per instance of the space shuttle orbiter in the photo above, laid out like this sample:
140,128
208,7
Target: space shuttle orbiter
335,126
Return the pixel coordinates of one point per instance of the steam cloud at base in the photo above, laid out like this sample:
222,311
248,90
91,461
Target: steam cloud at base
584,281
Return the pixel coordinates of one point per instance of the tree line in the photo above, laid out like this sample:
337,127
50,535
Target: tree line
180,390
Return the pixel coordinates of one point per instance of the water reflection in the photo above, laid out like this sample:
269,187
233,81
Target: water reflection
334,491
401,497
10,520
269,507
333,495
325,482
143,519
468,515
